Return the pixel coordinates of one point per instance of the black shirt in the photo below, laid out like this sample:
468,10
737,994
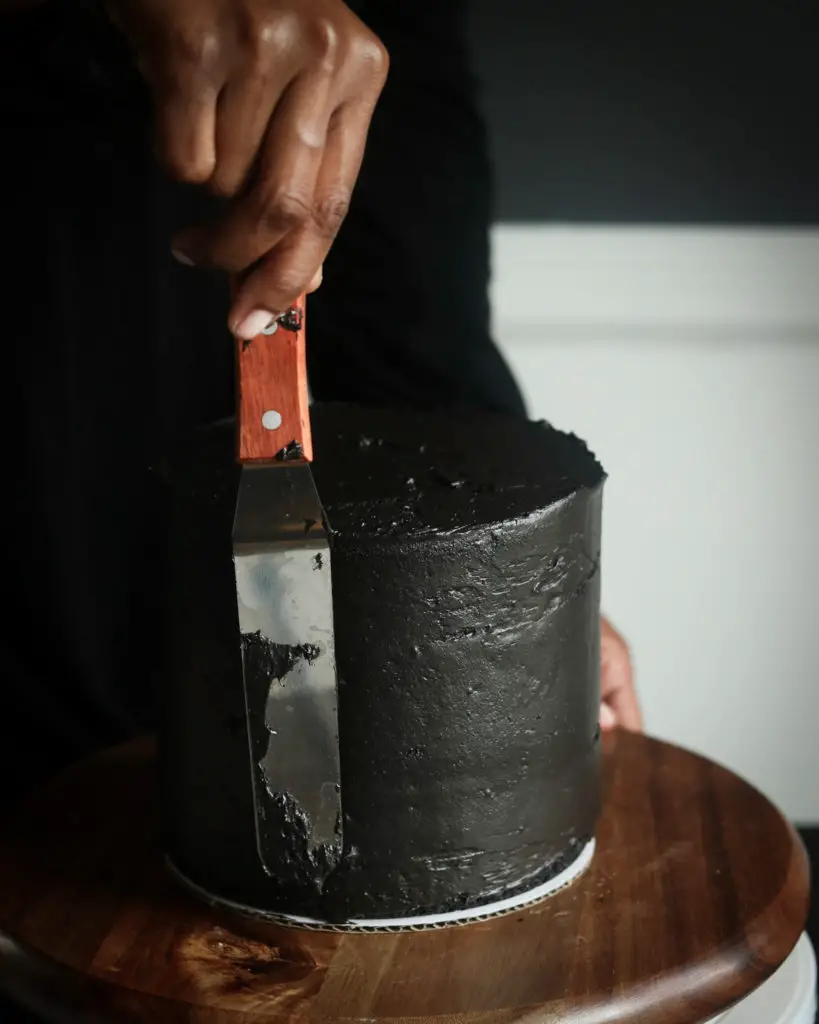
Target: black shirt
113,351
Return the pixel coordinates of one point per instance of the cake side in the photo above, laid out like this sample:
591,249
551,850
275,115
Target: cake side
465,559
469,697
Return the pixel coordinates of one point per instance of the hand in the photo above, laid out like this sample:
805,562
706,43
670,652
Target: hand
619,700
267,102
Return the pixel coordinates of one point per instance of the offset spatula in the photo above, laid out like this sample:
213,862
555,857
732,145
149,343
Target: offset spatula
284,593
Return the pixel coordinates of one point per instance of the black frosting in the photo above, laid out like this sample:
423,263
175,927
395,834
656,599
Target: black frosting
400,475
465,561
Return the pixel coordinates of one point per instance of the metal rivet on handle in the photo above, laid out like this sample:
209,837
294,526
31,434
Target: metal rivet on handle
271,420
272,327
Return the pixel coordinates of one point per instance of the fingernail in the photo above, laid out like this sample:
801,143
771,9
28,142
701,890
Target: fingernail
182,258
254,323
608,719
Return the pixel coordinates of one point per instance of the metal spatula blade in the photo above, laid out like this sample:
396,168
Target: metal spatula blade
285,608
285,600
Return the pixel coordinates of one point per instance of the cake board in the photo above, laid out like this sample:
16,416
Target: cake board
697,893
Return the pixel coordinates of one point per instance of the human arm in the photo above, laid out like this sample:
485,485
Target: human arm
267,103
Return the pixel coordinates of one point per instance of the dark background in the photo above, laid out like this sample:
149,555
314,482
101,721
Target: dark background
644,111
650,112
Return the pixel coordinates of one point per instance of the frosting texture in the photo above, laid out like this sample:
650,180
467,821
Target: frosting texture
465,558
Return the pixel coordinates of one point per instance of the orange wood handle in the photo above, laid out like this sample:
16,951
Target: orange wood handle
272,404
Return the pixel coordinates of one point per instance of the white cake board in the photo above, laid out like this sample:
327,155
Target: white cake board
787,997
419,923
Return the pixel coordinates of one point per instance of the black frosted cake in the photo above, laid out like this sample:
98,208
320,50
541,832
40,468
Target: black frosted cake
466,587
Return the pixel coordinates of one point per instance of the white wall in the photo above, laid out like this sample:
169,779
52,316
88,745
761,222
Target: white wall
689,360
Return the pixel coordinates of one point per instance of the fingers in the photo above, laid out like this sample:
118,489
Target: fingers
281,199
186,120
608,718
315,284
284,140
246,94
242,115
620,705
185,70
292,266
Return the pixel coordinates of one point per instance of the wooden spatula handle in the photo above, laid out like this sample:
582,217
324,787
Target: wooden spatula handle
272,404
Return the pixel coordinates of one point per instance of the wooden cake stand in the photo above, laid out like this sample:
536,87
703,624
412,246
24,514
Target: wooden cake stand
698,891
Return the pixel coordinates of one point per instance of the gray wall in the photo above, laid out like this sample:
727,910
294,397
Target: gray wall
640,112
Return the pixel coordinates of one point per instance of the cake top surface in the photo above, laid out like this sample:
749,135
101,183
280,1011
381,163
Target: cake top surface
399,473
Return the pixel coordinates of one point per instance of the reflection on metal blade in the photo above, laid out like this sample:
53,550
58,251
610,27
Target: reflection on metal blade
285,604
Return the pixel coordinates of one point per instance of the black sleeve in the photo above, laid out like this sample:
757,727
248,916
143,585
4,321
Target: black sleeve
113,350
403,314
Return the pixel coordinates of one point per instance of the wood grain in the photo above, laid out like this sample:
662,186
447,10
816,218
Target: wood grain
697,892
271,375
